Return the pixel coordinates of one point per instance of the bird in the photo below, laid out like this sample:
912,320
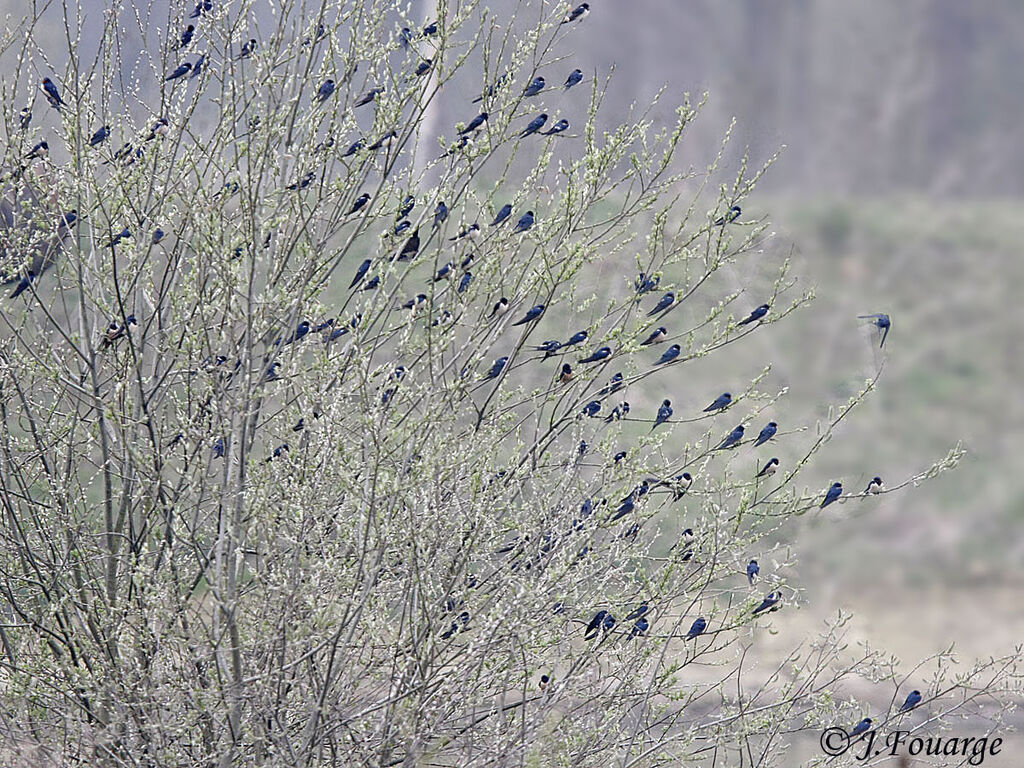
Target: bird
367,97
577,14
372,283
503,214
68,218
575,78
565,375
524,223
359,203
664,414
430,29
278,452
770,603
465,281
730,216
361,273
669,355
304,182
645,284
51,93
680,485
39,151
880,321
769,469
384,141
875,486
658,334
534,125
300,331
544,682
755,315
618,412
414,302
181,71
861,727
619,456
325,91
721,402
496,369
158,235
664,303
614,385
637,612
834,492
160,128
122,235
500,308
912,700
472,232
186,37
531,314
203,6
732,439
353,148
424,67
560,127
444,272
23,284
197,68
534,88
440,213
640,628
406,208
602,354
101,135
25,118
595,625
766,434
490,89
411,247
753,569
406,37
474,125
592,408
697,628
247,50
627,505
218,448
577,338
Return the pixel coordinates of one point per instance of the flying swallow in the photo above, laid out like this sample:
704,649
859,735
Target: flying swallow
875,486
51,93
534,88
535,125
565,375
575,78
592,408
664,414
560,127
500,308
664,303
861,727
325,91
657,335
524,223
359,203
503,214
476,124
669,355
766,434
697,628
23,284
912,700
882,322
834,492
770,603
531,314
360,273
756,315
367,97
577,14
730,216
721,403
101,135
769,469
753,569
181,71
496,369
602,354
247,50
732,439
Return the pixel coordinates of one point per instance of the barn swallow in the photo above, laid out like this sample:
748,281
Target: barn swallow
359,203
664,303
766,434
25,118
657,335
325,91
664,414
619,456
440,213
560,127
614,385
640,628
406,37
23,284
472,232
534,125
680,485
861,727
202,7
51,93
160,128
39,151
181,71
595,625
912,700
732,439
549,348
186,37
770,603
524,223
534,88
627,505
445,272
101,135
620,410
753,569
577,14
730,216
353,148
465,282
197,68
411,247
875,486
430,29
158,235
882,322
218,448
474,125
69,218
531,314
769,469
577,338
424,67
575,78
384,141
500,308
247,50
278,452
697,628
360,273
406,208
122,235
371,284
414,302
565,375
602,354
756,315
637,612
721,403
302,183
491,88
592,408
645,284
367,97
834,492
401,227
115,331
669,355
503,214
545,681
300,331
496,369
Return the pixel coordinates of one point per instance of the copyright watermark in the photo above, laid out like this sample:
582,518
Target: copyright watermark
837,741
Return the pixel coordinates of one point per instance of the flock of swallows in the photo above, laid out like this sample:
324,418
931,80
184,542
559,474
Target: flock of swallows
603,621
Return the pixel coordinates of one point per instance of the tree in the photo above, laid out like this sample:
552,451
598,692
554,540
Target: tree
266,505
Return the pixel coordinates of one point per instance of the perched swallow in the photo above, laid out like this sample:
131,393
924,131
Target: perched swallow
181,71
39,151
875,486
531,314
770,603
186,37
218,448
503,214
912,700
440,213
445,272
302,183
834,492
722,402
367,97
160,128
730,216
325,91
25,118
415,301
614,385
753,569
115,331
359,203
861,727
577,14
680,485
627,505
496,369
122,235
371,284
406,37
472,232
756,315
430,29
732,439
300,332
697,628
354,147
882,322
203,6
657,335
197,68
565,375
534,88
575,78
669,355
474,125
640,628
524,223
247,50
100,136
560,127
664,303
619,456
534,125
545,681
51,93
766,434
592,408
424,67
549,348
664,414
769,469
595,625
500,308
360,273
68,218
620,410
23,284
406,208
602,354
465,281
158,235
384,141
411,247
637,612
645,284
